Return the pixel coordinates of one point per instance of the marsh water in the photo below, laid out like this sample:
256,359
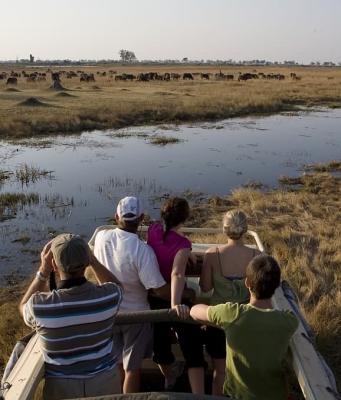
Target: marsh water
92,171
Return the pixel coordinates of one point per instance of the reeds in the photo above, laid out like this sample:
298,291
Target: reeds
29,174
163,140
10,202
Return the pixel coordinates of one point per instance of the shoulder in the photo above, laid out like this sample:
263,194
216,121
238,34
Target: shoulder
290,318
155,229
104,235
155,225
222,313
44,297
110,289
180,240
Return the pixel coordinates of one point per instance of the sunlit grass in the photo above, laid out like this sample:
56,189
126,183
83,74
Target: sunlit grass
119,104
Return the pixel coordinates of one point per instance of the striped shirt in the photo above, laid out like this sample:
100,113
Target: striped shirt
75,328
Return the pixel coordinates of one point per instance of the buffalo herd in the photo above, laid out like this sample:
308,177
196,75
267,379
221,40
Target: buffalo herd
12,77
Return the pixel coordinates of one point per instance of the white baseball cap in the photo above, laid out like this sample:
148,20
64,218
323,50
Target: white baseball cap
129,208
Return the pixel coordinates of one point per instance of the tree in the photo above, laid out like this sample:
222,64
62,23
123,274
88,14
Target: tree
127,56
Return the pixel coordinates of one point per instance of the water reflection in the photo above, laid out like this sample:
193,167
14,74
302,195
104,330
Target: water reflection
92,171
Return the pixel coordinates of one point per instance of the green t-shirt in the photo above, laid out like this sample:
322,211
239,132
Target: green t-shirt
257,342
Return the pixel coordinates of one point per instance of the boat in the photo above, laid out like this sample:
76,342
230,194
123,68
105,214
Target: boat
314,377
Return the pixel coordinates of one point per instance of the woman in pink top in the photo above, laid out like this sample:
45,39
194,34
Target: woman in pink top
173,251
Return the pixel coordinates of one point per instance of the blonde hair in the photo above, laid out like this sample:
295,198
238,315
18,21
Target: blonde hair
234,224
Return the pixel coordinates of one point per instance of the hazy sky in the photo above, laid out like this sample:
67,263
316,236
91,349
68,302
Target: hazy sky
304,30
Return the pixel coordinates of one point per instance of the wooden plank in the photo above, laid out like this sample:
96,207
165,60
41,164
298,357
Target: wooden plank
27,373
310,371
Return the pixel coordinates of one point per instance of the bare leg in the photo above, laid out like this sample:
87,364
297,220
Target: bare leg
218,376
132,381
196,379
121,375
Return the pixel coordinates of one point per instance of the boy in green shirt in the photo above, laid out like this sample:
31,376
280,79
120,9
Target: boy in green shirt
257,336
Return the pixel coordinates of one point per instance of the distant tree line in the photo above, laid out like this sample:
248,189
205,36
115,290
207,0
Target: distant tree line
129,57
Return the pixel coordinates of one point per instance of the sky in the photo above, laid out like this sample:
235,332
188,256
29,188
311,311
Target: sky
301,30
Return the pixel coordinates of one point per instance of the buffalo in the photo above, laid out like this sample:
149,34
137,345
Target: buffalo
129,77
175,76
87,77
224,77
246,76
187,76
12,81
142,77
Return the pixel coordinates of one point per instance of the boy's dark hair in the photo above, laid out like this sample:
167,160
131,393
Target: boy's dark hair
174,211
264,276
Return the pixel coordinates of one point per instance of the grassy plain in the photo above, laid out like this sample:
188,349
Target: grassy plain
298,224
107,103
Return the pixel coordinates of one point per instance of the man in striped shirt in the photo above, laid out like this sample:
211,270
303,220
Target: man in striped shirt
74,322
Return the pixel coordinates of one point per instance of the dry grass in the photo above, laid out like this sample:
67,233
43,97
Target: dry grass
163,140
11,325
110,104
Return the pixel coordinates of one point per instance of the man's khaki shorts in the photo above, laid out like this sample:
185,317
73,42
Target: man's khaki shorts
104,383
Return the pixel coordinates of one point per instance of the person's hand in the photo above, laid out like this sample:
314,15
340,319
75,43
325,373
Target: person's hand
46,260
182,311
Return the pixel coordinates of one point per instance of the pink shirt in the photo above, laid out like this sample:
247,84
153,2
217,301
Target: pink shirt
166,250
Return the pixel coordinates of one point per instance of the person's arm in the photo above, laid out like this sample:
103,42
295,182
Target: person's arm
205,281
178,276
199,313
41,280
101,273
